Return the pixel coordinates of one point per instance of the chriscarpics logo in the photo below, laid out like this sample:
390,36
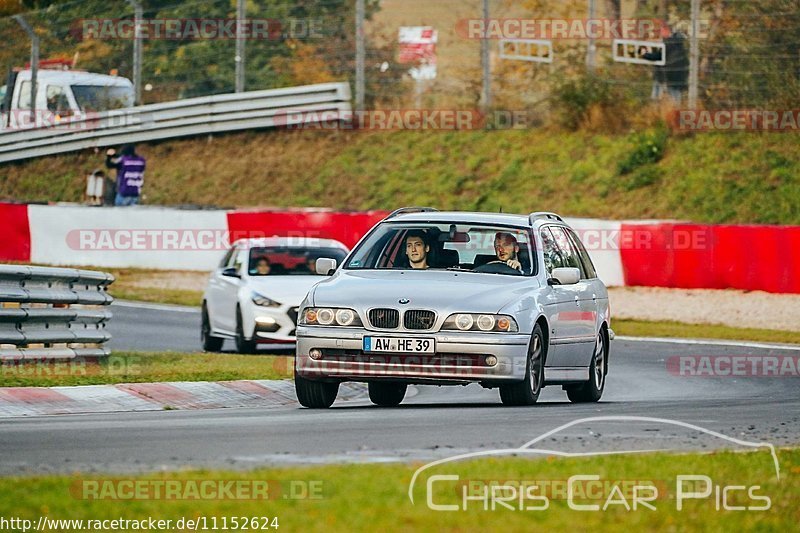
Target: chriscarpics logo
606,478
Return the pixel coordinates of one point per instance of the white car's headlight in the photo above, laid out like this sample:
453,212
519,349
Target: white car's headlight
262,301
330,316
480,322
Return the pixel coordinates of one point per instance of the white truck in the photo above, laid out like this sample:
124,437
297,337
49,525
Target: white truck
60,95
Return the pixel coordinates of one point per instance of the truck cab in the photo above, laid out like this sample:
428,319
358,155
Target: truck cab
60,95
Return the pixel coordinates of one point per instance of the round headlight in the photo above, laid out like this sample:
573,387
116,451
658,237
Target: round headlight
345,317
464,322
325,316
485,322
311,316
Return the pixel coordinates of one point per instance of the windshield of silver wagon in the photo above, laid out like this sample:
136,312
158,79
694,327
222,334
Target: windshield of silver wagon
445,246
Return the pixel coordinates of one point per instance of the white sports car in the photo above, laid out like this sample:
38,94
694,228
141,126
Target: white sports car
254,293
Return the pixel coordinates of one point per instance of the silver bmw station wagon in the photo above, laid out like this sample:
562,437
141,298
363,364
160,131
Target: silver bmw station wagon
449,298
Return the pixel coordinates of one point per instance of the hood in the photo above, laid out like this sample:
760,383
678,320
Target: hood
284,289
437,290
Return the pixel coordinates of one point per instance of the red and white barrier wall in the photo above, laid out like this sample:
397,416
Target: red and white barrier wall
656,253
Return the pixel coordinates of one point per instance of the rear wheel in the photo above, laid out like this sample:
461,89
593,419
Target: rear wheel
242,344
209,342
387,394
315,394
527,391
592,390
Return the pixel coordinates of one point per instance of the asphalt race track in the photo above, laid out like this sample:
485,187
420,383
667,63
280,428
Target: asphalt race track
432,423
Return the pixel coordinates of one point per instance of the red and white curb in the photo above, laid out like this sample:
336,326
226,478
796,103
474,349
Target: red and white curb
38,401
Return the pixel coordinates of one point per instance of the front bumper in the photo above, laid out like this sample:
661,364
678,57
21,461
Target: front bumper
459,357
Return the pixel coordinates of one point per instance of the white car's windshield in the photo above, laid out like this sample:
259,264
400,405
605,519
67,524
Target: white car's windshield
467,247
289,260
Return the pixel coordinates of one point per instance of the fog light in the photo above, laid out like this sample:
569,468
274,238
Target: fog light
315,353
491,360
265,320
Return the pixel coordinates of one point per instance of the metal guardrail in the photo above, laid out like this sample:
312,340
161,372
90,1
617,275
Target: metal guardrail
53,313
194,116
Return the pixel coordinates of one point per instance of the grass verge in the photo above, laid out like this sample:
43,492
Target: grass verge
375,497
141,367
643,328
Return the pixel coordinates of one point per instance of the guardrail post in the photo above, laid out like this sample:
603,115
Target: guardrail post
34,60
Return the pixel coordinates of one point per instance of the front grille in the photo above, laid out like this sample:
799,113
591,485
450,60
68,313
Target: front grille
293,314
384,318
417,319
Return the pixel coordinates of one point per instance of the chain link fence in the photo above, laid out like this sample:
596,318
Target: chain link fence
749,52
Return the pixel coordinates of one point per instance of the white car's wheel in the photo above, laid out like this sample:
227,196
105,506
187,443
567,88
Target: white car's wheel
208,341
592,390
527,391
243,345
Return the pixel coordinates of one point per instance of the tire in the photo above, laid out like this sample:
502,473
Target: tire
387,394
243,345
527,391
592,390
208,341
315,394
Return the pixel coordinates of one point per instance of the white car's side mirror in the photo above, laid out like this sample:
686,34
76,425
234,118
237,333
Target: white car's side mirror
566,275
325,266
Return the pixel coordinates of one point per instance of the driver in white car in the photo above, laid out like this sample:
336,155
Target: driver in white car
507,248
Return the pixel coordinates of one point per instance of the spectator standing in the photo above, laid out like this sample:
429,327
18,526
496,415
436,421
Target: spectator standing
130,174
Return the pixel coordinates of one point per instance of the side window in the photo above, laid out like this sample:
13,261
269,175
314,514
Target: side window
568,250
552,255
240,258
587,261
57,101
24,98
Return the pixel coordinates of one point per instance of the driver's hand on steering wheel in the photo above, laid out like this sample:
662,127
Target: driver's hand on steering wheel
513,263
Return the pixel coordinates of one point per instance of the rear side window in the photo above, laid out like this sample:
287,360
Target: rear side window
587,261
24,99
568,251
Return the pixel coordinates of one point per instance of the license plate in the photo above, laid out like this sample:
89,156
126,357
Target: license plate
399,345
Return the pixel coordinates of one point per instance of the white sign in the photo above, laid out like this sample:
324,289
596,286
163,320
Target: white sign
418,46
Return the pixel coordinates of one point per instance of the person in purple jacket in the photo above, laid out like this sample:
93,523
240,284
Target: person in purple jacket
130,174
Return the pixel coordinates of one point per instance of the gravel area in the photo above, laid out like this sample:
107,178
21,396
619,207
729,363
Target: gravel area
754,309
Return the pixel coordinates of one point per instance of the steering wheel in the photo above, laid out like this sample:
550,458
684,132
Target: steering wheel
497,267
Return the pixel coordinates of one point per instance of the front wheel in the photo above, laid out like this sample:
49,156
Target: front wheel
527,392
315,394
387,394
592,390
242,344
209,342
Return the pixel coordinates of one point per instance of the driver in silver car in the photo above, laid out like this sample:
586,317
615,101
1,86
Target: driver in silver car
507,249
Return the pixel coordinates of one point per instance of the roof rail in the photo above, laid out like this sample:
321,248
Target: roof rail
404,210
544,214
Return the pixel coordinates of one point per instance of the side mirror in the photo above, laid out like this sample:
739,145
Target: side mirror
231,272
325,266
564,276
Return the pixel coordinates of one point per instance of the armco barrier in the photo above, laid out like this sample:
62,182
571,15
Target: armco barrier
52,313
193,116
695,256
